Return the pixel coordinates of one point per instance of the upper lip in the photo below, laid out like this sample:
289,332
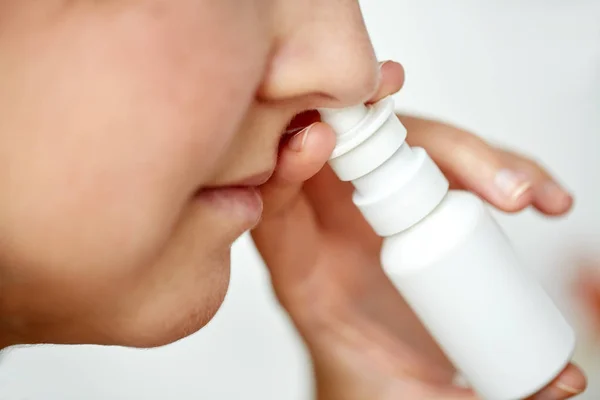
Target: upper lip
299,122
255,180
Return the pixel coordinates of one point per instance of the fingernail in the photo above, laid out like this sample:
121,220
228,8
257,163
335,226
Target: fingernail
512,184
557,391
298,141
381,64
567,388
570,382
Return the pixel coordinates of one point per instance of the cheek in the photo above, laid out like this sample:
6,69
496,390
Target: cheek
89,207
106,132
108,136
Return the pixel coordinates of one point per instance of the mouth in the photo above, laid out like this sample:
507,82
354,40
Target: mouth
255,180
239,208
240,202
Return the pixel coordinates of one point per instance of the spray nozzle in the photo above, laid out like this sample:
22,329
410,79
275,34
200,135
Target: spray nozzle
343,119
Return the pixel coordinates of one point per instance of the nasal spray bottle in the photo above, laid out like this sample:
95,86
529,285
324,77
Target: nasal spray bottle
450,260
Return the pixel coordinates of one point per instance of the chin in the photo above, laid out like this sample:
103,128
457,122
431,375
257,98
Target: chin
184,308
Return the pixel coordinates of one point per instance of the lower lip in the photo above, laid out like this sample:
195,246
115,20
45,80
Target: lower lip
239,205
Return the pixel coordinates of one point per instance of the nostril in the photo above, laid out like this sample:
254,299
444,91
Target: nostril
301,121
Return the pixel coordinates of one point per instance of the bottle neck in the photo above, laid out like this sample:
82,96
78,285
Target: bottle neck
396,186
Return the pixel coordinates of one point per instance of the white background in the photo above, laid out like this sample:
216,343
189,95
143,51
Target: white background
524,73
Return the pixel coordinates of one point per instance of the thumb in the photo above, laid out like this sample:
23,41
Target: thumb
457,394
288,235
301,156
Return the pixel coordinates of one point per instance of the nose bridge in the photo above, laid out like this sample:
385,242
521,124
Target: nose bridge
329,54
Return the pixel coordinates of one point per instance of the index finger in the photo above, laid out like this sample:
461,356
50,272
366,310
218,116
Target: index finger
392,80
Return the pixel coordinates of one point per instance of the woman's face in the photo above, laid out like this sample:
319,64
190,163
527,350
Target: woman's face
126,131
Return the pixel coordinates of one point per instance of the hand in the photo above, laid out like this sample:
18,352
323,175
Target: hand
323,257
587,289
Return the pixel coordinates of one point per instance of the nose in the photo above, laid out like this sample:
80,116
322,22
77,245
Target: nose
324,56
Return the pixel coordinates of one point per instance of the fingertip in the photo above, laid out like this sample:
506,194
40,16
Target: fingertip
314,140
393,73
551,199
306,152
301,156
571,382
319,142
391,81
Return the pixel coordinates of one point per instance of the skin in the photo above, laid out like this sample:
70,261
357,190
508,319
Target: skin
107,133
114,116
324,261
587,290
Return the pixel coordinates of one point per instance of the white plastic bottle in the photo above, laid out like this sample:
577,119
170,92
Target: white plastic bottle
450,260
